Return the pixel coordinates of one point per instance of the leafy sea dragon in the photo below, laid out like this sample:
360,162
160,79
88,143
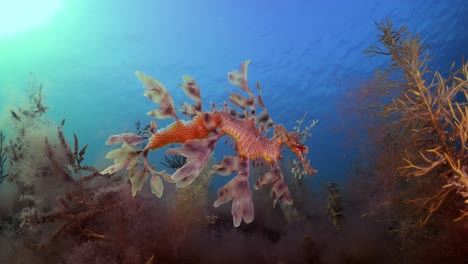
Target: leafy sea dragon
199,136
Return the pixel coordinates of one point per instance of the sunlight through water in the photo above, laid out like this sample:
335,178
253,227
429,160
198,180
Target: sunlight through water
17,16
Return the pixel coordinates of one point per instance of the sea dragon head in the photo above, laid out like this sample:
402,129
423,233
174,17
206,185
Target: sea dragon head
292,142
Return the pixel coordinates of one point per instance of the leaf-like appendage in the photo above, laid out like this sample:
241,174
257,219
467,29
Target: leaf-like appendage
239,77
158,93
227,166
198,152
124,157
267,178
138,180
157,186
192,90
238,191
279,190
129,138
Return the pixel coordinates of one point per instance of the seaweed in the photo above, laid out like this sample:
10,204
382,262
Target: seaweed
427,116
35,96
74,214
297,168
174,162
3,158
59,197
74,158
334,207
142,131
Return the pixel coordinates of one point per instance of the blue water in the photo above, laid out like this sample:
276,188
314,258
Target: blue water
305,54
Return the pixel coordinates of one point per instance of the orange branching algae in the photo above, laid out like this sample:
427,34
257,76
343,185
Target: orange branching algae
429,113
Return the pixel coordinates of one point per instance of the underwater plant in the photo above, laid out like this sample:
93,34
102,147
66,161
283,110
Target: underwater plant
199,137
3,157
52,165
428,116
141,131
334,207
174,162
189,212
51,185
303,134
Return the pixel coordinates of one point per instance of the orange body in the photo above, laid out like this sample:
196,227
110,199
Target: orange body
181,132
250,143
